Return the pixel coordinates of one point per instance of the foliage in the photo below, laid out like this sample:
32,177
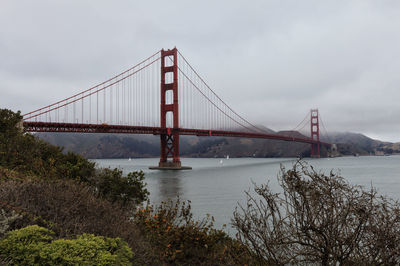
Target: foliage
7,174
23,246
111,185
64,192
70,207
9,123
27,154
6,219
178,239
22,218
319,219
35,245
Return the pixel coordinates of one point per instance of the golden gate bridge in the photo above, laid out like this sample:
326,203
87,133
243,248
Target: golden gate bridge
162,95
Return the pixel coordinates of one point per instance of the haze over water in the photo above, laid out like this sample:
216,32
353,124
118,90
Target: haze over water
215,186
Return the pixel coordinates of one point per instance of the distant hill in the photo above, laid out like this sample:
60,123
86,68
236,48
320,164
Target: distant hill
389,148
355,143
105,145
134,146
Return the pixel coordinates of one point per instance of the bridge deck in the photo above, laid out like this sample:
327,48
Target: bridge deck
105,128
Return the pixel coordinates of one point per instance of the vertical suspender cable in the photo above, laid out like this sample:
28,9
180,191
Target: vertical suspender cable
82,111
90,107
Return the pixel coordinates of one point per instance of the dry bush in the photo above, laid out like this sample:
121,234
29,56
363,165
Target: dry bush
180,240
69,209
6,219
70,205
167,235
319,219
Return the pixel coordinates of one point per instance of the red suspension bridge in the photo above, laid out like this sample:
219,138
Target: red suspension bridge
162,95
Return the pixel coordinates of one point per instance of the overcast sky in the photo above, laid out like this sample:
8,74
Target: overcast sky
272,61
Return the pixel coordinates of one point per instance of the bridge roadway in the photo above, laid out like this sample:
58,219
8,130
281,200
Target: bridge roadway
106,128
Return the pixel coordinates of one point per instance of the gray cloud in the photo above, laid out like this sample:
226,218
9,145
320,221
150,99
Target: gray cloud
270,60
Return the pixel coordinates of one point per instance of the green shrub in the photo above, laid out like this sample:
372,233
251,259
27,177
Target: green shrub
27,154
23,246
87,249
35,245
114,187
9,123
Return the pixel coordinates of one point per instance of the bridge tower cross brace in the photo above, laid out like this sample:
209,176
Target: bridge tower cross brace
170,136
315,152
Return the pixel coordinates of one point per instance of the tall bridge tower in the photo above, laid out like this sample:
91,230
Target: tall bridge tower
169,138
315,152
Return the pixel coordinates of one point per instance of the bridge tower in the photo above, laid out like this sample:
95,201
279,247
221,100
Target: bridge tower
169,158
315,152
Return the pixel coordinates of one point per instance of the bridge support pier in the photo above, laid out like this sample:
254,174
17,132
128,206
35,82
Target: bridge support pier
315,153
169,139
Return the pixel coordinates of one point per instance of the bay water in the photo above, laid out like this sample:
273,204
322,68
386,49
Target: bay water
216,186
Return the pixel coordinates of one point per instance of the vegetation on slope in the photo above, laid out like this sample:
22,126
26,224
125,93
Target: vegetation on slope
76,213
64,195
